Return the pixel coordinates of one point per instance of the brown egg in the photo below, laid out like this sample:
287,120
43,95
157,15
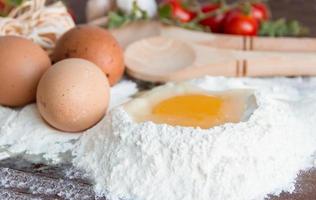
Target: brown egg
73,95
94,44
22,63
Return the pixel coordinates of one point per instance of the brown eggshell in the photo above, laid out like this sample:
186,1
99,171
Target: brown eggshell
22,63
94,44
73,95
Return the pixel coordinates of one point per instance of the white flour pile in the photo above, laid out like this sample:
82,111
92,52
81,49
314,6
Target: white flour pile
243,161
24,131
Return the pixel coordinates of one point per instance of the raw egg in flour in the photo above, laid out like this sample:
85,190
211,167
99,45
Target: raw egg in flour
185,105
73,95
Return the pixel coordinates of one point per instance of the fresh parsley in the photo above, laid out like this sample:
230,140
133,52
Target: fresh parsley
118,18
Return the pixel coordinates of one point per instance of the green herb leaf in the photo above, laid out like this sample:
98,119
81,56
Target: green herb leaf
165,16
14,2
282,27
165,11
193,26
118,18
138,13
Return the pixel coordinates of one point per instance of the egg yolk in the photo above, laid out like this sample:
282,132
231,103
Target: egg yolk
197,110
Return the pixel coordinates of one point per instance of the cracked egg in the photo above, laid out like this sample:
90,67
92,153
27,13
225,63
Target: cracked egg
190,106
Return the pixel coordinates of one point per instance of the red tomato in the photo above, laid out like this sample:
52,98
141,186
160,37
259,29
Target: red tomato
180,13
238,23
215,23
260,11
210,7
72,13
2,6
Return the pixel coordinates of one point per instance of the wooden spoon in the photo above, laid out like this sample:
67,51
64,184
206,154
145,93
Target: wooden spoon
161,59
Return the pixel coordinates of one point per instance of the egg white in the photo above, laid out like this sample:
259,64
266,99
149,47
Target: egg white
140,108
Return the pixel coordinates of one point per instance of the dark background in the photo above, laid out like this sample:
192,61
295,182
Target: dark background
302,10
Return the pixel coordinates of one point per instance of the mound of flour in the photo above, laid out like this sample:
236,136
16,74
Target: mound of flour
242,161
24,131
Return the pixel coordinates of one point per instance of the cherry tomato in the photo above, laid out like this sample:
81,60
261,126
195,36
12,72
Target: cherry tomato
210,7
260,11
2,6
215,23
72,14
239,23
179,12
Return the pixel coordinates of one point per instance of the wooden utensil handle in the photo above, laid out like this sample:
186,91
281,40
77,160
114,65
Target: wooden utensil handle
262,63
281,44
240,42
250,68
282,67
247,43
220,62
262,68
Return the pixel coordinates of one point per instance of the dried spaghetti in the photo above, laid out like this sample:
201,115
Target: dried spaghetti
40,22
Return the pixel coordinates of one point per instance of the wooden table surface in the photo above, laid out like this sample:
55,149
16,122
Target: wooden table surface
21,180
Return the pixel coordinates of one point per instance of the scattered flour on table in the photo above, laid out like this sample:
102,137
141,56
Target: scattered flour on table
24,131
242,161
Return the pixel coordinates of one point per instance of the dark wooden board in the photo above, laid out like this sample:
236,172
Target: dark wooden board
22,180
